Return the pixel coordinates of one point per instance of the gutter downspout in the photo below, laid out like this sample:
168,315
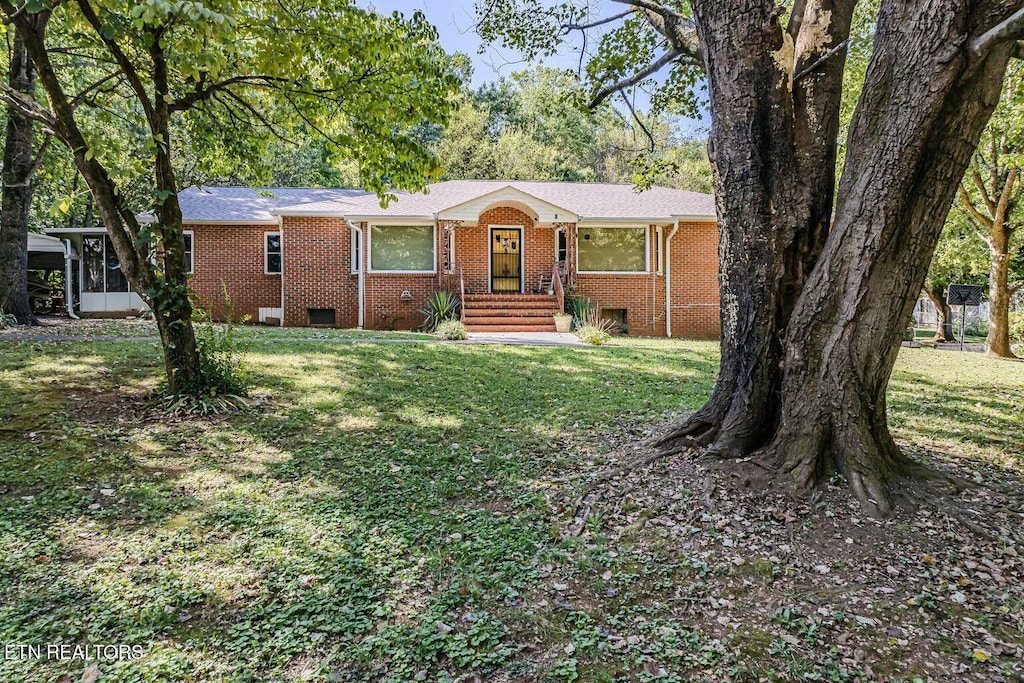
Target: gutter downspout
69,303
280,236
362,270
668,279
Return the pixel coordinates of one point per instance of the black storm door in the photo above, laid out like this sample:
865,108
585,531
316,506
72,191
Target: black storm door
506,259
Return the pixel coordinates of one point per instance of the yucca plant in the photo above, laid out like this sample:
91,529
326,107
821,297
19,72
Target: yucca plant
441,306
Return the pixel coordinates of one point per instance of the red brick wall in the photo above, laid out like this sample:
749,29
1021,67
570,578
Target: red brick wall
695,309
317,274
642,295
317,270
232,255
473,248
385,308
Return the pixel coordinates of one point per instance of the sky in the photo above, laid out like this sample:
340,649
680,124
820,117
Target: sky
454,21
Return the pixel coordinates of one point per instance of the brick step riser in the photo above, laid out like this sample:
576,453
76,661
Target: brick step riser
509,297
510,328
526,310
510,304
532,314
507,320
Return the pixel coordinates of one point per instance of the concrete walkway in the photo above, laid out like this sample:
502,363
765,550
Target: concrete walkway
509,338
524,338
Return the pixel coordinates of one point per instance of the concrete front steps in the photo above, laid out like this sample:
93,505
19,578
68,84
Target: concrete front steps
509,312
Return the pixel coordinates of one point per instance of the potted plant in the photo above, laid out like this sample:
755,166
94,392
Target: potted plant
563,322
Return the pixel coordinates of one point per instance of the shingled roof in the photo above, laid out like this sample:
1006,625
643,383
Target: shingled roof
220,204
591,201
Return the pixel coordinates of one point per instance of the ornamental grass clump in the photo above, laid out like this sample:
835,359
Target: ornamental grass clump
592,328
452,330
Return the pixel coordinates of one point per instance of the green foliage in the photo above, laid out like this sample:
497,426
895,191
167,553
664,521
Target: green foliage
451,329
578,307
1017,327
381,519
220,347
321,93
592,328
441,306
7,320
595,336
532,126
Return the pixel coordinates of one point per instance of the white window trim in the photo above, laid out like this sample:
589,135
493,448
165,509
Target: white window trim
355,255
522,256
647,250
369,253
659,251
559,232
192,238
266,253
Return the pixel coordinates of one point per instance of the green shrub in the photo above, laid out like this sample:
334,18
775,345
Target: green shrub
7,320
451,329
588,334
593,329
441,306
1017,327
220,348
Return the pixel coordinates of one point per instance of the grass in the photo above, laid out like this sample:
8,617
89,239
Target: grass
379,516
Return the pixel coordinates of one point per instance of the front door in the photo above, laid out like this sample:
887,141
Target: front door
506,259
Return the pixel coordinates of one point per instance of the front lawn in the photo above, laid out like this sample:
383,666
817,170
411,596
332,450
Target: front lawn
398,512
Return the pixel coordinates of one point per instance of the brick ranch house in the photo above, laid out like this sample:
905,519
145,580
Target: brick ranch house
334,257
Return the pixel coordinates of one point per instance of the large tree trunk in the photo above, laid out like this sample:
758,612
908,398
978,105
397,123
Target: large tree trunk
808,380
906,156
943,315
773,149
19,165
166,291
997,344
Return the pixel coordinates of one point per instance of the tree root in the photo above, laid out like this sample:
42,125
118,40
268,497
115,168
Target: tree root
616,472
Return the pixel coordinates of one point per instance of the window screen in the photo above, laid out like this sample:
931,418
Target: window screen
402,247
612,249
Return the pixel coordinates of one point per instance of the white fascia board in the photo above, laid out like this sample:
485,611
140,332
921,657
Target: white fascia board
695,218
545,211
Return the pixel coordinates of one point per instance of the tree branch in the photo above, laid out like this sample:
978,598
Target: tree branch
655,66
122,60
821,60
599,22
978,216
640,123
27,105
979,183
1010,28
1004,197
204,92
796,19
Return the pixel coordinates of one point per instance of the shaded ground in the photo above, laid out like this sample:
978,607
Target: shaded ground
407,512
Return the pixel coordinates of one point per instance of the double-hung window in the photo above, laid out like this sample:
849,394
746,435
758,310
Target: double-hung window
357,251
611,250
189,252
272,263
